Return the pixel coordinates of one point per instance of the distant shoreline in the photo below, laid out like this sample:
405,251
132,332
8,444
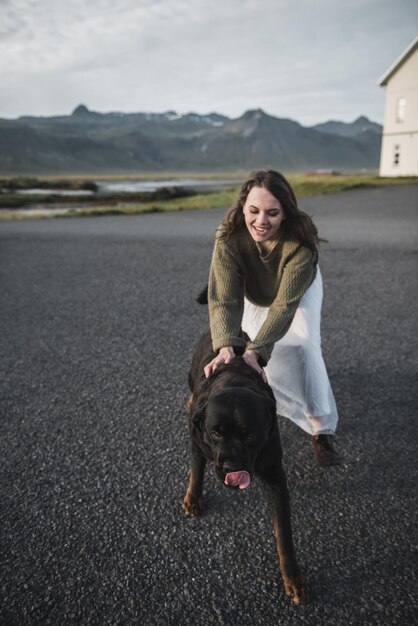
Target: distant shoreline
15,205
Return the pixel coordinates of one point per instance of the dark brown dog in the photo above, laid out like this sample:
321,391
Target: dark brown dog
232,422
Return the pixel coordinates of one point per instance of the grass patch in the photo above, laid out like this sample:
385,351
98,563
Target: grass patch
304,185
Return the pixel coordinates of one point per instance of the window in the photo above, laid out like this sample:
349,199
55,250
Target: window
400,110
396,155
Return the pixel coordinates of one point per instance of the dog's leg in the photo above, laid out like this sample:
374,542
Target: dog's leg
189,403
192,502
275,486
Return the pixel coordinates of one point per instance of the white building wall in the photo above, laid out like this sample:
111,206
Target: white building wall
406,161
399,155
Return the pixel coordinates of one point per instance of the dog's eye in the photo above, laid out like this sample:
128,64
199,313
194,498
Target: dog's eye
215,434
249,436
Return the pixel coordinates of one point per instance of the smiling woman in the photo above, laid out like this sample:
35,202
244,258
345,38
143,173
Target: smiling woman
265,298
263,215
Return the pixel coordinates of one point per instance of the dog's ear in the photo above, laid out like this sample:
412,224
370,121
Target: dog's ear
198,419
271,412
199,414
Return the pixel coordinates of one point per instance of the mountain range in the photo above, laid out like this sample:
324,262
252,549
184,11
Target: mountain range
91,142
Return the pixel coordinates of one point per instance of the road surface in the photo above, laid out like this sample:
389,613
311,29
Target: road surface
98,324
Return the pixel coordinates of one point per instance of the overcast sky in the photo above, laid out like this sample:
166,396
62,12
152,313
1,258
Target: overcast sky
308,60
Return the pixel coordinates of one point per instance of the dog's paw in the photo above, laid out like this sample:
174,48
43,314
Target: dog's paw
296,588
191,505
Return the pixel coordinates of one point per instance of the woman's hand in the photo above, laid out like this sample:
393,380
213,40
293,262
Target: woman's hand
225,355
250,357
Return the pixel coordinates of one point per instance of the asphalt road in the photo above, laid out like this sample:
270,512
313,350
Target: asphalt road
98,322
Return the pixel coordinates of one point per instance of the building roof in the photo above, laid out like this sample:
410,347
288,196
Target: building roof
400,61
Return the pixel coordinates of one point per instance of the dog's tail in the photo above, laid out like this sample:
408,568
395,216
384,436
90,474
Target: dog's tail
202,298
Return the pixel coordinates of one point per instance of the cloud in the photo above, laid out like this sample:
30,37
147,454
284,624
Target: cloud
194,55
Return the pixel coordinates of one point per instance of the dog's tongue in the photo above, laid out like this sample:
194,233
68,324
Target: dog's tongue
239,479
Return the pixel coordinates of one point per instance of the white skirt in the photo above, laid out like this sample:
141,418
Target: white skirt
296,370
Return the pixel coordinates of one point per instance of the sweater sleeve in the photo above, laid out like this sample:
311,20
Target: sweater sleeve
226,298
297,276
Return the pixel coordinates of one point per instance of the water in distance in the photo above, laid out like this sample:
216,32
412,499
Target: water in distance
136,186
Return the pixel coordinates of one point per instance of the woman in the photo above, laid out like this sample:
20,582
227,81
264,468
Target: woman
264,280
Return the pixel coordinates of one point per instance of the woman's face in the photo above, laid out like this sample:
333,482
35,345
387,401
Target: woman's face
263,215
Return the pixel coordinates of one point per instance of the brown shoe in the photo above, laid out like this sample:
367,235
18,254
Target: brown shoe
325,451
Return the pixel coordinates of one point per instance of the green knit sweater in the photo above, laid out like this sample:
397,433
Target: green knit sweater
276,280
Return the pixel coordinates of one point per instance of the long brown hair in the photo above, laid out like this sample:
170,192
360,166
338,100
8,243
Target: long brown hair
298,225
